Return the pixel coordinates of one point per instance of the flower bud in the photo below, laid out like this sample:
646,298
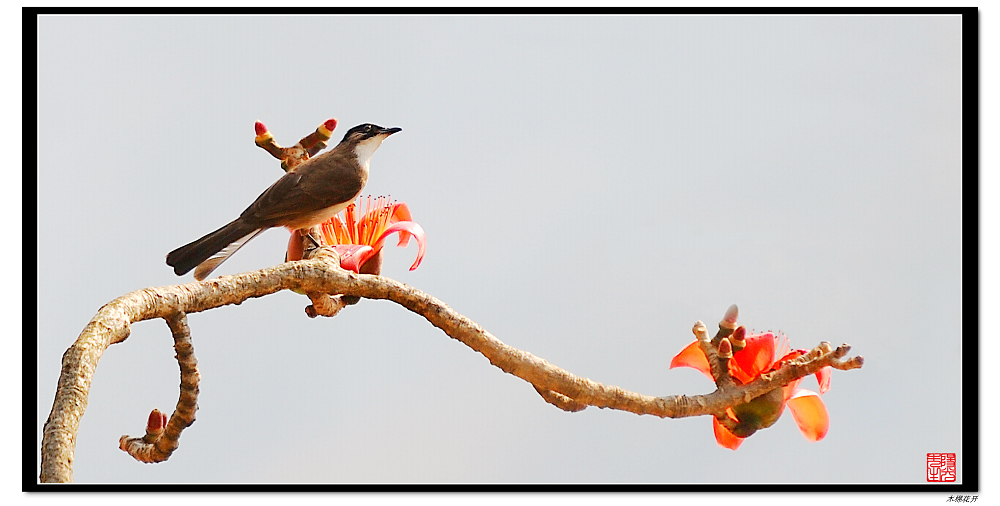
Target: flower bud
725,349
729,320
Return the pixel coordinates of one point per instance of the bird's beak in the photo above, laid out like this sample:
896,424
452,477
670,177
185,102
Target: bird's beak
389,131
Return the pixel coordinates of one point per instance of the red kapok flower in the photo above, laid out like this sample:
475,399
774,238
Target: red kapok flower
359,240
756,358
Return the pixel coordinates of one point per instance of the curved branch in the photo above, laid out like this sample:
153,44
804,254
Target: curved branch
162,437
322,275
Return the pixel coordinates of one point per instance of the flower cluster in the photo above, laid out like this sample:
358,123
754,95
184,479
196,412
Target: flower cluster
755,358
358,237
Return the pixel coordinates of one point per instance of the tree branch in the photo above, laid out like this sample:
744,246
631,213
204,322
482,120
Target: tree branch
162,437
322,275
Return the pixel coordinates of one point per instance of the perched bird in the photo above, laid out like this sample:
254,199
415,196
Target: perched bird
317,190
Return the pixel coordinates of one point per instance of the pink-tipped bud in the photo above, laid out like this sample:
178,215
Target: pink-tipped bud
732,313
725,348
154,426
729,320
157,421
259,128
326,130
739,334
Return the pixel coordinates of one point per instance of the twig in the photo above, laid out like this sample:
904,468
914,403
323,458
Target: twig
162,437
306,147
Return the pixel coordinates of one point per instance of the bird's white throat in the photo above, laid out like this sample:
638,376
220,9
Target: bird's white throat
366,148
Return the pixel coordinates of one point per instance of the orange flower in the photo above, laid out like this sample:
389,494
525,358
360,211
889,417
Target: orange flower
756,358
359,241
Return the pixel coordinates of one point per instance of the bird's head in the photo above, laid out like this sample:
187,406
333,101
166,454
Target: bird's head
365,139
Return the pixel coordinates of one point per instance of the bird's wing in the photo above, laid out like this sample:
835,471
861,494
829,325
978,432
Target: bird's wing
313,186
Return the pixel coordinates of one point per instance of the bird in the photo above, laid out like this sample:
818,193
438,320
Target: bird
317,190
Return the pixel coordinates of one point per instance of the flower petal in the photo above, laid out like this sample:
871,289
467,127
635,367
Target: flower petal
400,212
791,388
810,414
372,265
295,251
823,378
725,438
758,354
692,356
409,228
353,255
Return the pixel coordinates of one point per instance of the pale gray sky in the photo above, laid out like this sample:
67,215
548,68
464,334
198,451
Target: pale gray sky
590,187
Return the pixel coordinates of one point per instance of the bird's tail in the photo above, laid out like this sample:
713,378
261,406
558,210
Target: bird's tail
205,254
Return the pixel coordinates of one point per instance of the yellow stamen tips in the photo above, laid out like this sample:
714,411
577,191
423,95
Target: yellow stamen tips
378,220
368,222
356,226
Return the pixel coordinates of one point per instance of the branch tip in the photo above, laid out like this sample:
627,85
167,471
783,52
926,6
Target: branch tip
729,320
324,305
725,349
700,331
162,437
330,125
561,401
